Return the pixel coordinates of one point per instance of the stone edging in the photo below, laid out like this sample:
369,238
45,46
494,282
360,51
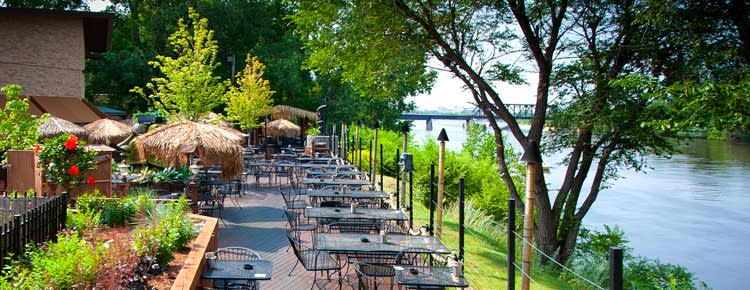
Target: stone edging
206,241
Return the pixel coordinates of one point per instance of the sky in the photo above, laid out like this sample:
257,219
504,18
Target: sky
447,94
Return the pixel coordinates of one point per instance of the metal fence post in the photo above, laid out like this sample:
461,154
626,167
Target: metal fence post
381,169
411,199
461,218
615,268
511,244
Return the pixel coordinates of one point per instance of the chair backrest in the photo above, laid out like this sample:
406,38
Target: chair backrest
367,274
293,217
330,203
354,227
232,187
237,253
295,243
418,257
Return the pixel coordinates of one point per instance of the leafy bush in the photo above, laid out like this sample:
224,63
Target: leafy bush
112,212
83,222
165,231
591,260
68,263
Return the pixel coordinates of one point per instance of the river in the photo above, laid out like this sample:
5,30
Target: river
692,209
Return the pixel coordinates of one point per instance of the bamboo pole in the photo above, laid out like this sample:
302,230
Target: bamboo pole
442,137
532,158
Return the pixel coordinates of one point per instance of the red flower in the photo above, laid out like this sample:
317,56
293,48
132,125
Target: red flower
37,147
92,181
71,143
73,170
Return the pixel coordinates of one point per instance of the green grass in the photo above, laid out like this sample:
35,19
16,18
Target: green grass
485,254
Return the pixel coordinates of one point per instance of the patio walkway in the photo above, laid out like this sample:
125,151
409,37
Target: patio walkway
260,225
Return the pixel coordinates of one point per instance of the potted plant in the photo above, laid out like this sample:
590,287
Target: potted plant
64,160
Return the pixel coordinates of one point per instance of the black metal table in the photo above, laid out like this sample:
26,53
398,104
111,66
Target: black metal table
427,276
381,214
363,243
231,270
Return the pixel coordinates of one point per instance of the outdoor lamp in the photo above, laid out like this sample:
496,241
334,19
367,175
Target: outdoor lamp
407,162
195,169
123,168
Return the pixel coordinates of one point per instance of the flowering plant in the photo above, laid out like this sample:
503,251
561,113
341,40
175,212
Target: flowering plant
64,158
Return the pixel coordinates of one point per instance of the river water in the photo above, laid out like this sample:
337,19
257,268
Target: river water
692,209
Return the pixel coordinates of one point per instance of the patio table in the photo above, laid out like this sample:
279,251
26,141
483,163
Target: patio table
334,181
364,243
427,276
382,214
346,193
230,270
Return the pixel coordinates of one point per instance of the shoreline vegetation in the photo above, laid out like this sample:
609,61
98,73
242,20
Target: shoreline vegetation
486,216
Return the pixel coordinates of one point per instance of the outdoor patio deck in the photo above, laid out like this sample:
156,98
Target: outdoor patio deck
260,225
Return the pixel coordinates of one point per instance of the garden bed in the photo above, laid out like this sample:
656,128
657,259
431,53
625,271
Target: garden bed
183,271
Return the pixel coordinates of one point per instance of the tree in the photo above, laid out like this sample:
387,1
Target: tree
17,126
188,89
251,99
613,120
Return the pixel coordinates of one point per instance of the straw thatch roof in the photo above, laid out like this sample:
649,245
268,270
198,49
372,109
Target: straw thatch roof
107,131
174,142
282,127
287,112
55,126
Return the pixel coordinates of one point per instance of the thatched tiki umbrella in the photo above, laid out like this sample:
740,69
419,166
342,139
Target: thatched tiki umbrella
55,126
213,144
107,131
282,127
287,112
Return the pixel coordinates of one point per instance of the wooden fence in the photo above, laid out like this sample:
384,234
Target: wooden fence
26,220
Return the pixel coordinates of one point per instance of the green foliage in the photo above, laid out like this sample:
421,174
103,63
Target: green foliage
591,261
188,89
168,174
312,131
481,183
70,262
17,126
166,231
83,222
64,159
251,99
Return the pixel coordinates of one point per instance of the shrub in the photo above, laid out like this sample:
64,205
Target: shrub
167,230
68,263
591,259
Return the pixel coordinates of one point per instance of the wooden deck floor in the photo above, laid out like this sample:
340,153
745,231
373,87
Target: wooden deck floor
259,224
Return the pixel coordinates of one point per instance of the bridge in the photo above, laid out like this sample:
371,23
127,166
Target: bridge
519,111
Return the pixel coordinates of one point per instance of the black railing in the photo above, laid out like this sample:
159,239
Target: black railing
29,220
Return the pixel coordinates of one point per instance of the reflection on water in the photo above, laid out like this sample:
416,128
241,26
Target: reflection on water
692,209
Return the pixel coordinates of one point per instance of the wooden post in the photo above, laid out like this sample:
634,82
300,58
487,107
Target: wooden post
374,154
404,149
442,137
533,158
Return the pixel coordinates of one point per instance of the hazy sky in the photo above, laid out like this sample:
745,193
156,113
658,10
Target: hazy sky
448,93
